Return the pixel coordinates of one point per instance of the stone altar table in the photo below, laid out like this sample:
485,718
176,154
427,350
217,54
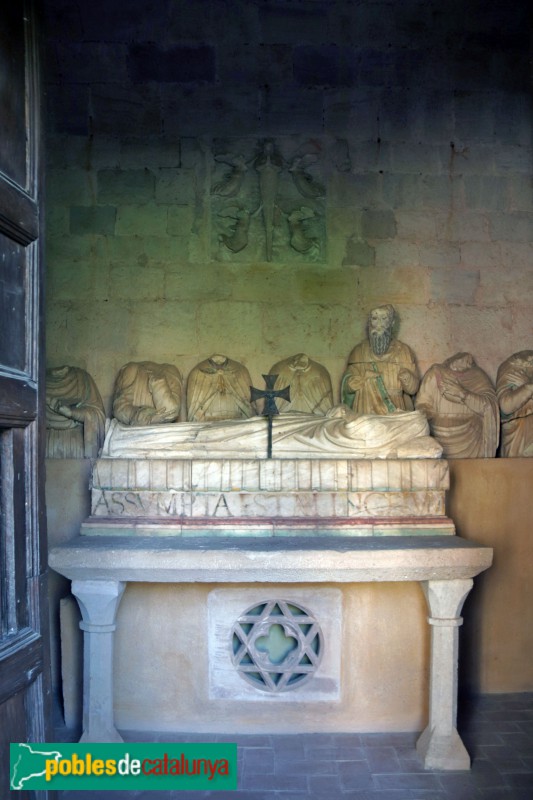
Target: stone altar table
100,567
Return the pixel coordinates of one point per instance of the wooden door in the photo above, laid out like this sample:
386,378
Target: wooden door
24,661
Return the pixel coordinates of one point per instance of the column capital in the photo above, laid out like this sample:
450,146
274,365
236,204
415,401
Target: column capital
445,599
98,602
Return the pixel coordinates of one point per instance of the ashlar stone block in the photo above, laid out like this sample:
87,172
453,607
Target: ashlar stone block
316,65
359,253
176,64
126,186
180,220
460,287
175,186
147,219
117,110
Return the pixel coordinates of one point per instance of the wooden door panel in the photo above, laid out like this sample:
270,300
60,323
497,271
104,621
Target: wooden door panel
12,724
15,569
17,393
13,142
24,659
12,304
18,213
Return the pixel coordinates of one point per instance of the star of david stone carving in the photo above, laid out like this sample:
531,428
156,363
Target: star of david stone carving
276,645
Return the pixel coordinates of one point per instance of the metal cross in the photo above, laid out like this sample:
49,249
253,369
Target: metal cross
270,409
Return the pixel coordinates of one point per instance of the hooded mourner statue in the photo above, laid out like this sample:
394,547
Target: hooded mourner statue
75,416
514,387
218,388
310,385
461,406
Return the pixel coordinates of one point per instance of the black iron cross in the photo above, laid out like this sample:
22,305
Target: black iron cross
270,409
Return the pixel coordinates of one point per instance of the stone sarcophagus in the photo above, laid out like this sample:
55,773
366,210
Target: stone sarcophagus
272,497
341,474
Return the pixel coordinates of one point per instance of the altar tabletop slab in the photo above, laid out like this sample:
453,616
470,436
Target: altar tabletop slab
288,559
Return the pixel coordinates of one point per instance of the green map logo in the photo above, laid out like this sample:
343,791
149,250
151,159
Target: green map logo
28,761
133,766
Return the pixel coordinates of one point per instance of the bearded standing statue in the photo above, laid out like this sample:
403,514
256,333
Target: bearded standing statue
381,376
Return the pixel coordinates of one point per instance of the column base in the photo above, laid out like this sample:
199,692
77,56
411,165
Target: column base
102,734
442,751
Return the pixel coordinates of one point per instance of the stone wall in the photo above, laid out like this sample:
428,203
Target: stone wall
404,127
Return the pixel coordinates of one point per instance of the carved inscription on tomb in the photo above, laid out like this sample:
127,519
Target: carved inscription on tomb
227,505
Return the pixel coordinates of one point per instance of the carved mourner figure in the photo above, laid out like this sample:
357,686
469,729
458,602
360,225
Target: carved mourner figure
309,382
147,393
75,416
460,403
514,387
217,389
381,376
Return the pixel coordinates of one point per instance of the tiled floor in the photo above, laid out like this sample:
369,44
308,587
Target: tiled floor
497,730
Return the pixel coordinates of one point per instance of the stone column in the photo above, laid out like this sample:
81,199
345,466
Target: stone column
440,745
98,601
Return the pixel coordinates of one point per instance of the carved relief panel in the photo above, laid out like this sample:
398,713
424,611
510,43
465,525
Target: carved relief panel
267,200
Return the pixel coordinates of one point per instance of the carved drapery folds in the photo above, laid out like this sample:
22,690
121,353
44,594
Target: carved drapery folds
219,389
460,403
382,374
455,397
514,387
309,383
147,393
75,417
